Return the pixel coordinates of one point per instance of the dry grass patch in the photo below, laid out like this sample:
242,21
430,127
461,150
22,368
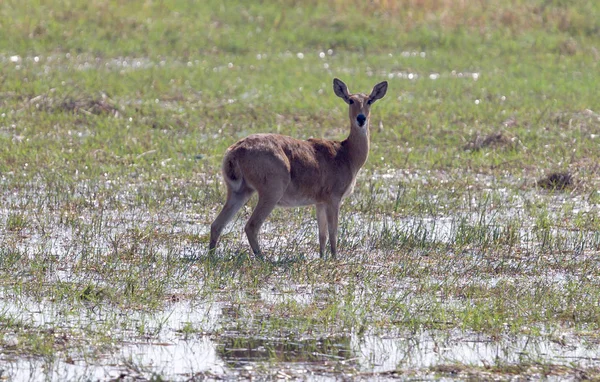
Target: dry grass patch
496,139
102,105
518,16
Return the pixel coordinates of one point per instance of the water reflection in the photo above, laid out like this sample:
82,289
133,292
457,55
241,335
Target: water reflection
238,351
417,351
428,349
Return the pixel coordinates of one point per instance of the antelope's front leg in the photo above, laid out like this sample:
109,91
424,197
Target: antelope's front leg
333,210
322,224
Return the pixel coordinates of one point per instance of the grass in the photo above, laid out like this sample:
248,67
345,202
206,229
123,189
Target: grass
113,121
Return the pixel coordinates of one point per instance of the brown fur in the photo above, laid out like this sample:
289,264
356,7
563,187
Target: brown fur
289,172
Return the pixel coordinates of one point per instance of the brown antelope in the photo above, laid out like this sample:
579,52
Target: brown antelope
289,172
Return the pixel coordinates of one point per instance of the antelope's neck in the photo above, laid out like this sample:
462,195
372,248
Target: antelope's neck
358,147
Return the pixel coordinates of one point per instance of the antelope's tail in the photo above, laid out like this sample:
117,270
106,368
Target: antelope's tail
232,172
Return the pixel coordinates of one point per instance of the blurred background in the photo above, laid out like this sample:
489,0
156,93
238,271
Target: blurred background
210,71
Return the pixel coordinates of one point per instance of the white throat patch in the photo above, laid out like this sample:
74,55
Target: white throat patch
362,128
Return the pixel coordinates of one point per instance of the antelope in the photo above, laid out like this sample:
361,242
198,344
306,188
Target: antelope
289,172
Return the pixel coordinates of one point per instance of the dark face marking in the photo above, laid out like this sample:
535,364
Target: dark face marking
361,119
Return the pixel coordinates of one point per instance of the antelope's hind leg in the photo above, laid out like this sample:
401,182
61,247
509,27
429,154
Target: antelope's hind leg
235,201
271,187
267,201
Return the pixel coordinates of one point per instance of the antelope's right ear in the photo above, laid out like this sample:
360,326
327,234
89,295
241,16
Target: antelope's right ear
378,92
341,90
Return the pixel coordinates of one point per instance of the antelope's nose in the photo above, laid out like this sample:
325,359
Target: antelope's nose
361,119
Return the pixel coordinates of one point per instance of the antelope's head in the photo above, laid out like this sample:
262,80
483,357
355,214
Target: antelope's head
360,104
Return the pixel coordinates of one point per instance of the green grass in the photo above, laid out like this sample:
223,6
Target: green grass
114,117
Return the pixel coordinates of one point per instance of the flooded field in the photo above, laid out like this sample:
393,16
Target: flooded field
106,286
216,349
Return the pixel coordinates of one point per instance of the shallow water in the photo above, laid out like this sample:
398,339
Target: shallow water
219,334
179,359
214,348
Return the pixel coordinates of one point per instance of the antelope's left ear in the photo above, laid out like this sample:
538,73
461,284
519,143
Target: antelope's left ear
341,90
378,92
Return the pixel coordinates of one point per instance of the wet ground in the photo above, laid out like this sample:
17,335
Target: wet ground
216,350
197,331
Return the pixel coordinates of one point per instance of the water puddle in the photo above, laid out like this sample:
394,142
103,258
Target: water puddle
240,351
191,339
429,349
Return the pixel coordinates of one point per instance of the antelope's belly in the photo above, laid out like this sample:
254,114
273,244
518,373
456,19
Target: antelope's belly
295,200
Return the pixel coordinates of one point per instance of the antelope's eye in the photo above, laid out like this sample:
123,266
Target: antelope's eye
369,102
351,102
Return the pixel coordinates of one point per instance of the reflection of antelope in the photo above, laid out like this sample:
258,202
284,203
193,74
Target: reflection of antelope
289,172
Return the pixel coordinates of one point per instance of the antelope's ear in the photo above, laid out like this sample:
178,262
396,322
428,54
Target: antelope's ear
341,90
378,92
